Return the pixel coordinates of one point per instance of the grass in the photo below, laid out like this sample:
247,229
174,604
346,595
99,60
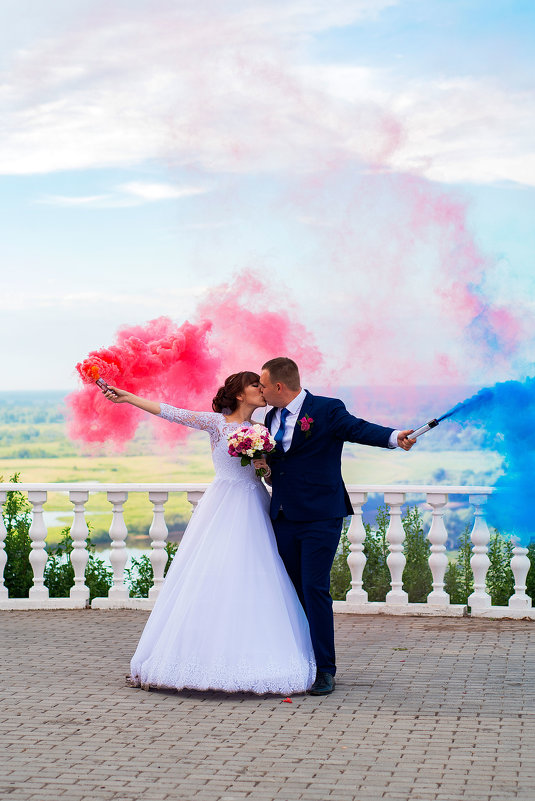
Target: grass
190,461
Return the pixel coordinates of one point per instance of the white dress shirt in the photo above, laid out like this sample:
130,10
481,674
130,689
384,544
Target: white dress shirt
294,407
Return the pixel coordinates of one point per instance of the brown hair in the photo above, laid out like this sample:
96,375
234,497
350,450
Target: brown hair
283,370
234,385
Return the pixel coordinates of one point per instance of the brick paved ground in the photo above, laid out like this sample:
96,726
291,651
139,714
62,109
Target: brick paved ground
430,709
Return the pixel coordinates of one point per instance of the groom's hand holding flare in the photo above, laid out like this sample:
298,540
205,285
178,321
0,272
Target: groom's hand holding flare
404,440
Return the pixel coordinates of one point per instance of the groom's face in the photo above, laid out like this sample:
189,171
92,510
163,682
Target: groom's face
270,390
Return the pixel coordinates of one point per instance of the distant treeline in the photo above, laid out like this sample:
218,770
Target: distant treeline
398,407
37,408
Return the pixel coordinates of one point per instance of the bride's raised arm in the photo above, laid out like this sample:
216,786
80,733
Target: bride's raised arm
205,421
116,395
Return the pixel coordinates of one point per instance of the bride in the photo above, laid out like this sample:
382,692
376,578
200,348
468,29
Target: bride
227,616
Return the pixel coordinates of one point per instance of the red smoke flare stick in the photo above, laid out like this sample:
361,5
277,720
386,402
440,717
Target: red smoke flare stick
100,381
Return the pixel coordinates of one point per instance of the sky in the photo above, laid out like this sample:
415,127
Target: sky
365,166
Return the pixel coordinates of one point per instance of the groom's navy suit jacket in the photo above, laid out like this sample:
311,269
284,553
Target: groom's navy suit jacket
307,479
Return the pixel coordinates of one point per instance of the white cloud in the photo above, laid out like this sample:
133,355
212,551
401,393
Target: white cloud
150,192
459,130
224,87
134,193
156,303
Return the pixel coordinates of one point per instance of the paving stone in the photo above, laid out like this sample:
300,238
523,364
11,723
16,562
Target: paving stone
455,721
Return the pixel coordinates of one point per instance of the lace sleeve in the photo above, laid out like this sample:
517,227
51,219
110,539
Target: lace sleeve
205,421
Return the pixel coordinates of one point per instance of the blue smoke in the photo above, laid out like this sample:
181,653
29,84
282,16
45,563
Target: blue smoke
507,412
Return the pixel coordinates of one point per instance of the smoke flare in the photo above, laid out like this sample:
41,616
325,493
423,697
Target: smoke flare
507,411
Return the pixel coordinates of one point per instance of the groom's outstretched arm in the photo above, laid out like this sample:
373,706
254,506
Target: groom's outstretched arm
349,428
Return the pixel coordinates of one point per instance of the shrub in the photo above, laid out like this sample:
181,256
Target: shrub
340,572
417,579
59,572
18,573
530,580
140,575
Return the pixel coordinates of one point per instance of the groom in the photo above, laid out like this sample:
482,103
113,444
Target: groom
309,500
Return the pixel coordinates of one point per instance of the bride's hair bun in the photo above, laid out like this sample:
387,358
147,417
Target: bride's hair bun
226,398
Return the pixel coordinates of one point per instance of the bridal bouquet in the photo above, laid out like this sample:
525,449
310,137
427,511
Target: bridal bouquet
251,442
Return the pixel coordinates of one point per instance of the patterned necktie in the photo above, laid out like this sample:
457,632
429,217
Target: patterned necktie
280,433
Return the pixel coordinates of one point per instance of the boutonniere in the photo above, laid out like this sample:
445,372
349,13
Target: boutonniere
306,424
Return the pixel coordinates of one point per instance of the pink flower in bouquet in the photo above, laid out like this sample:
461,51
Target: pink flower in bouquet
250,442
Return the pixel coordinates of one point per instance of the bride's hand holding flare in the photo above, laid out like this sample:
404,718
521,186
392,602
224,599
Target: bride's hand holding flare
116,395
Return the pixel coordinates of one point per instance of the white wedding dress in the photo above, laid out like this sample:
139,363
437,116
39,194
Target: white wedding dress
227,616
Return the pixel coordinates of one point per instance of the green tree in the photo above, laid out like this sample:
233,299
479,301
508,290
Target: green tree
500,580
417,576
18,573
530,579
458,580
376,575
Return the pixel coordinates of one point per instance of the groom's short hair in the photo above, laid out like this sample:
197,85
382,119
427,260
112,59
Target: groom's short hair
283,370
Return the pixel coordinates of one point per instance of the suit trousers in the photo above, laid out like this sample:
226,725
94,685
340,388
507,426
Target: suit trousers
307,550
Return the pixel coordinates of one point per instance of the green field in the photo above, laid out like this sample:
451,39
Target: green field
191,462
188,462
33,443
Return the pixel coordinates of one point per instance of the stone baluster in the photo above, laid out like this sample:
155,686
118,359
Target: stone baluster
79,555
158,533
194,496
396,558
356,559
3,556
479,562
118,556
520,566
438,561
38,555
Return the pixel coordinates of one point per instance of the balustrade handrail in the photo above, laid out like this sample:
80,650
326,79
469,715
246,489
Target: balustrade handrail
94,486
395,496
107,486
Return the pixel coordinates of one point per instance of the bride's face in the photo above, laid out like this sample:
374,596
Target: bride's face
252,395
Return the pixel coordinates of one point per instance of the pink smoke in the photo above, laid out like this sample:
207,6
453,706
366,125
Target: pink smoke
404,279
237,327
151,360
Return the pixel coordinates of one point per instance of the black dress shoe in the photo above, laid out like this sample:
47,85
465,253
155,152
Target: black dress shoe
323,685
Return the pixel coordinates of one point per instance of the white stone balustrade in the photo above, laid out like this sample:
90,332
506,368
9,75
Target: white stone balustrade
520,565
158,533
3,556
356,559
79,555
436,498
438,561
396,558
38,555
479,600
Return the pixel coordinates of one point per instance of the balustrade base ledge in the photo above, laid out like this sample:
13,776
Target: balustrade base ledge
339,607
12,604
504,612
125,603
382,608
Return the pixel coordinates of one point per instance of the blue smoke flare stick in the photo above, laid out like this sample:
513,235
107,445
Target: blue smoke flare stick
428,426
